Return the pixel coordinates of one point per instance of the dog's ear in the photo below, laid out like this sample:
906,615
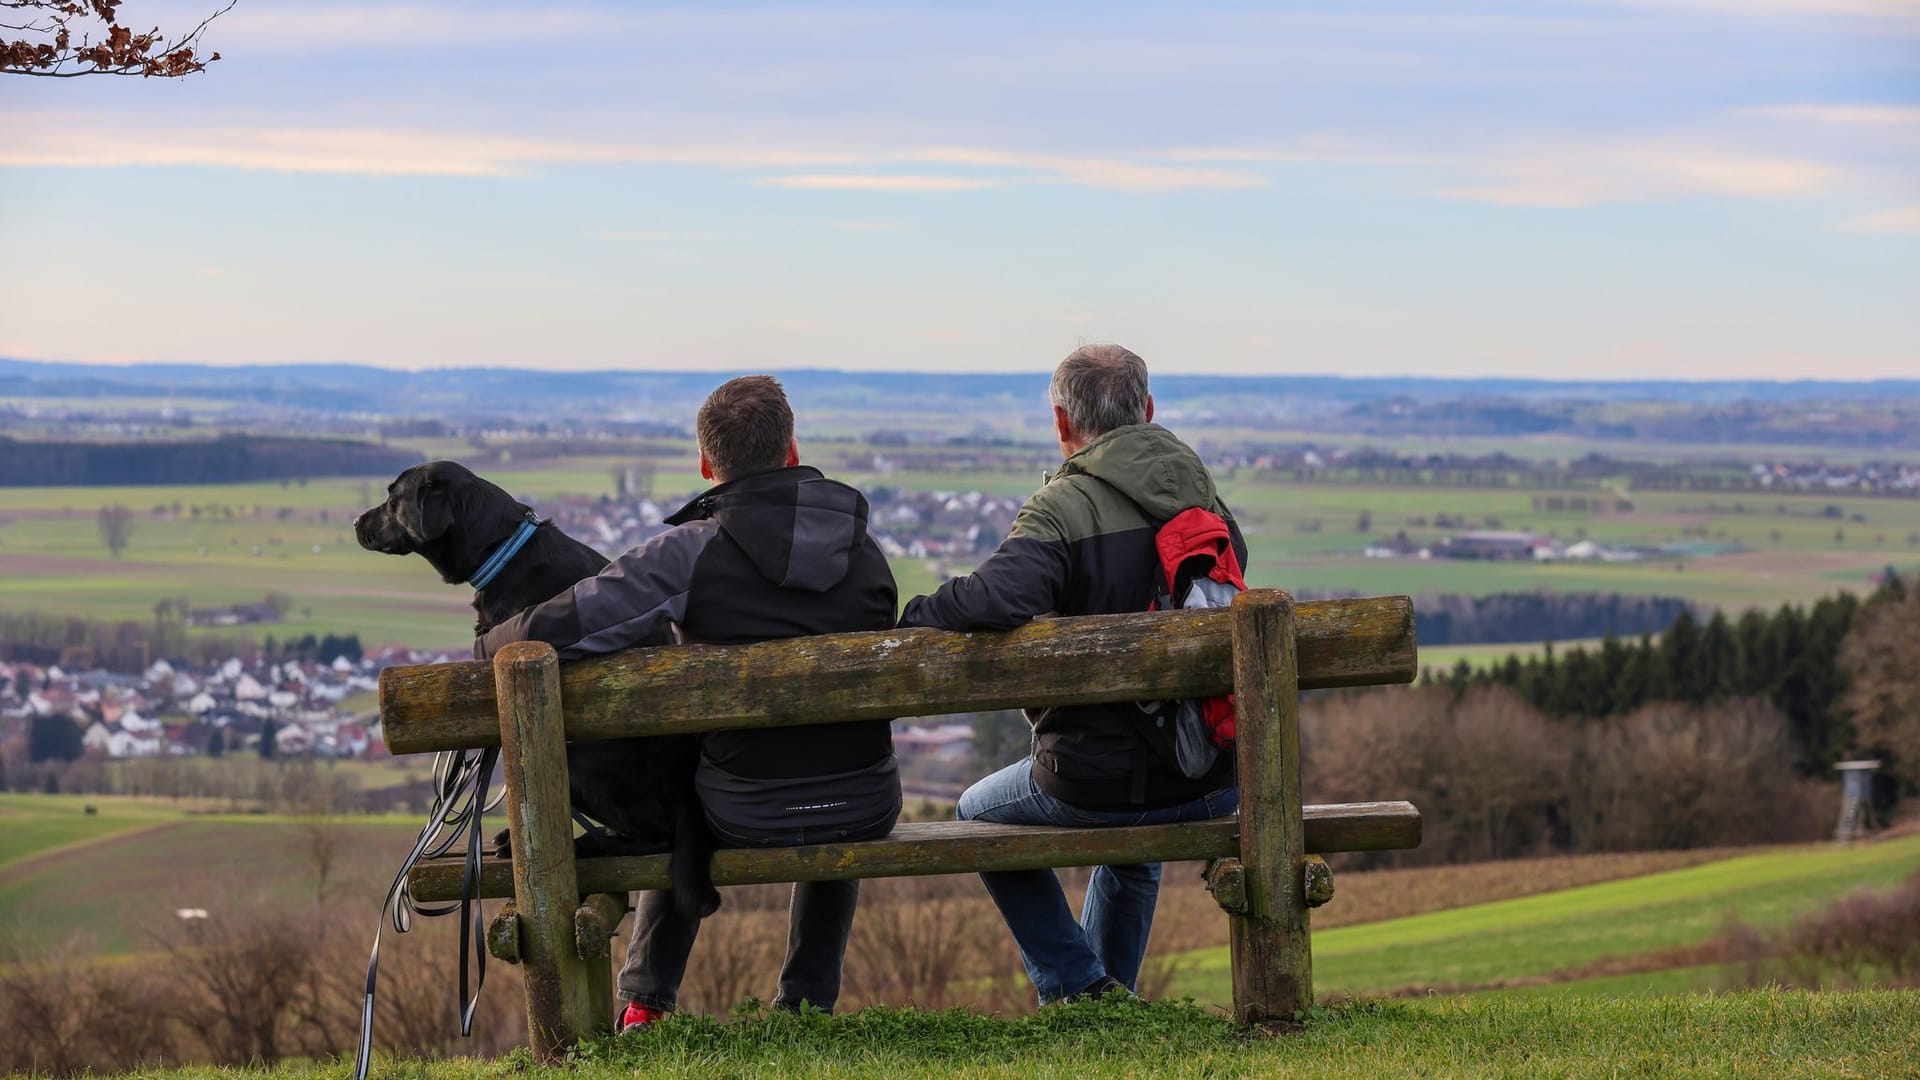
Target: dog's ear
435,504
435,510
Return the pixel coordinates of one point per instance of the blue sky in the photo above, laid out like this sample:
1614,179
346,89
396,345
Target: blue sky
1706,189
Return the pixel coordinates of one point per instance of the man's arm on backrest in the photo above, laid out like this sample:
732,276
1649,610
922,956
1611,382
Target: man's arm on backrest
634,600
1025,577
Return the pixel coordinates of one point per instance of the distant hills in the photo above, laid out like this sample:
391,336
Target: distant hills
486,391
1874,417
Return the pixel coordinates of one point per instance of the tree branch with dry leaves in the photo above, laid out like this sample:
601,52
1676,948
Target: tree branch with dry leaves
70,38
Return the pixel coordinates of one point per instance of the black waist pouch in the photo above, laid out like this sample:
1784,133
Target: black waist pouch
749,807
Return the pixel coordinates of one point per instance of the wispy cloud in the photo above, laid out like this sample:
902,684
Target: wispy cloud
1588,174
1094,172
1896,10
1848,115
413,27
1905,219
876,182
649,235
70,141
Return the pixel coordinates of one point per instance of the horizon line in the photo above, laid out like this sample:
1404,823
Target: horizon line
131,365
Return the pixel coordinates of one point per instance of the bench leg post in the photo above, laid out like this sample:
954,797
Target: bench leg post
594,926
1272,961
562,1002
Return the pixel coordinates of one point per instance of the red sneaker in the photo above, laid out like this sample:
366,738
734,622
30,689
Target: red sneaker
636,1015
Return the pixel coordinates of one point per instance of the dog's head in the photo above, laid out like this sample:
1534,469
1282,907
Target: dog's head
441,511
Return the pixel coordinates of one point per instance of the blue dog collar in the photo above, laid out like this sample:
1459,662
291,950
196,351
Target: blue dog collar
504,554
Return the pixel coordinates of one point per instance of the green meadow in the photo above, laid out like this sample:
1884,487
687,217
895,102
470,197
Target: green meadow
1552,934
113,879
296,538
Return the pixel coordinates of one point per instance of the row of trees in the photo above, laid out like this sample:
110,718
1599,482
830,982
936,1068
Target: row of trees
324,649
130,645
127,645
226,459
1842,671
1541,616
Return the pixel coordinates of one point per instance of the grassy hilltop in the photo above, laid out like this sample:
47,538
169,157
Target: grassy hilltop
1766,1033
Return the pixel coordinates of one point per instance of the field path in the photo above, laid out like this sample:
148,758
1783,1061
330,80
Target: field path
34,861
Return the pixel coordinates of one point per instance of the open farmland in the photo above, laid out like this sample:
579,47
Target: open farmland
113,879
250,539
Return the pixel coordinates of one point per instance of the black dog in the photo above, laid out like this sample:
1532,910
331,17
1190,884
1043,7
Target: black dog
640,789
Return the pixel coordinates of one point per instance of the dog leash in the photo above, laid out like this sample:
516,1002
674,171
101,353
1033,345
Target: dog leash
460,803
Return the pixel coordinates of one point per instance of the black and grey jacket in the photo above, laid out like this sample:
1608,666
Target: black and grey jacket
1083,545
775,555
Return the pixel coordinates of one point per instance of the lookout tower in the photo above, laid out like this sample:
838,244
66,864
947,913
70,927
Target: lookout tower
1856,799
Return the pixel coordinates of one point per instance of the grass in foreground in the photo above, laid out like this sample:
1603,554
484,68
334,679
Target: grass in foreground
1768,1034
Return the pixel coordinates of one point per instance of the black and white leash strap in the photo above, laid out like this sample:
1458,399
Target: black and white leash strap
461,779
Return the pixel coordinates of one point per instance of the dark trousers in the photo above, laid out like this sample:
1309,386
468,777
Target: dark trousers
819,920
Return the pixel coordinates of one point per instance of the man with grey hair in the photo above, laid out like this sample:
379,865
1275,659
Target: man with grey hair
1084,545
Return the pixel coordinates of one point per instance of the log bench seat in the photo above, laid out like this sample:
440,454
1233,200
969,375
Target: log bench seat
954,847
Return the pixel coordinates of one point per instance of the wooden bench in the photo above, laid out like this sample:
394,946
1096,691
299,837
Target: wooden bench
1265,870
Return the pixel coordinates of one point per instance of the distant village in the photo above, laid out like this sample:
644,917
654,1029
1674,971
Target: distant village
906,524
301,707
1505,544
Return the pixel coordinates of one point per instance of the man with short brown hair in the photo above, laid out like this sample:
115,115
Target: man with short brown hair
772,550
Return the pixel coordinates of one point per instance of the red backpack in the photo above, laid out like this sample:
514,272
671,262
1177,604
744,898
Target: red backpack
1197,569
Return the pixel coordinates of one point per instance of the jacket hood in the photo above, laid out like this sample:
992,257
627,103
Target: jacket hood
1147,464
798,528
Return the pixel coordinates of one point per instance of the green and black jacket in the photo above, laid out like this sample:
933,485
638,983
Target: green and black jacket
1083,545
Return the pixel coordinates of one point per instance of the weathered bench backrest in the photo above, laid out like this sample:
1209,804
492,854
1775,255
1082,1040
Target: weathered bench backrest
1077,661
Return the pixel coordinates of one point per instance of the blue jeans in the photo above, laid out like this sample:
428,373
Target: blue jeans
1063,955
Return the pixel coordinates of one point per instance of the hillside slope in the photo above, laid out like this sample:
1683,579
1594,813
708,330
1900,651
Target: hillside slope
1541,936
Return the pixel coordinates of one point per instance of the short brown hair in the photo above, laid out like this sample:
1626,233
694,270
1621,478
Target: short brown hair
745,427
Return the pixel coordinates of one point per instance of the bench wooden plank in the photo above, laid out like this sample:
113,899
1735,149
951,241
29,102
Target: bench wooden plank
884,674
951,847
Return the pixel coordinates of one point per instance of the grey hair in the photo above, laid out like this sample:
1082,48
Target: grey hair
1101,387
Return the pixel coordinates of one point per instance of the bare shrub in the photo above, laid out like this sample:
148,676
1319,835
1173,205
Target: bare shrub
245,986
1502,766
1485,769
322,843
1669,776
67,1014
1865,939
919,940
417,1010
1496,779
